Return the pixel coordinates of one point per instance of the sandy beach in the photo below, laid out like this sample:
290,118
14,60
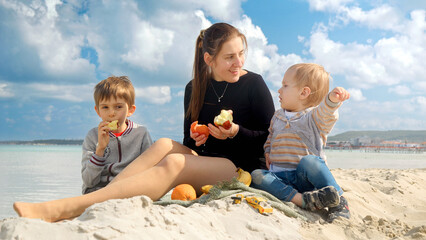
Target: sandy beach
385,204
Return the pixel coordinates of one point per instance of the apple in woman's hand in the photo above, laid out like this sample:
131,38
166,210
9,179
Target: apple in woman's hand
224,119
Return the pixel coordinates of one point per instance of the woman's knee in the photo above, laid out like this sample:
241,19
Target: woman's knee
173,163
164,142
171,146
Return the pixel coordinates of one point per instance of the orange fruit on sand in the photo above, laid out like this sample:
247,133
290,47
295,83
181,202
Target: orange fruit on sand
184,192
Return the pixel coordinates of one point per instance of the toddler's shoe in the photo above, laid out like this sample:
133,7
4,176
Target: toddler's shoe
342,210
319,199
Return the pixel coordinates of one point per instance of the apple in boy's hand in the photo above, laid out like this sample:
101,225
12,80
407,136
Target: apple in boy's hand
224,119
199,128
113,125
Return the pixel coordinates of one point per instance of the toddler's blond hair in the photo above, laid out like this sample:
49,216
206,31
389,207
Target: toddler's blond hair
315,77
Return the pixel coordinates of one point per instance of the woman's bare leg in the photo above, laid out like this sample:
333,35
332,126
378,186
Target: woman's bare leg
153,155
154,182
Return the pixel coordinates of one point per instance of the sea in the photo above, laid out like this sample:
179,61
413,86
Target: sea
35,173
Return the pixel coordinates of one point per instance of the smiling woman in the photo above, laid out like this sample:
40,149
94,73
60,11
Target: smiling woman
221,83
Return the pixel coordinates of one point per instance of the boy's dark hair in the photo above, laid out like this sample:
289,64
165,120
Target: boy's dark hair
117,87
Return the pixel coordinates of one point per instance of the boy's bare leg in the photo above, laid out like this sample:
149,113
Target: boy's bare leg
154,182
153,155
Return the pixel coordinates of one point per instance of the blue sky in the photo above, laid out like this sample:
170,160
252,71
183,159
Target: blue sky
53,52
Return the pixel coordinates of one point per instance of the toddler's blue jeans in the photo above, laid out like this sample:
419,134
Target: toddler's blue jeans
311,173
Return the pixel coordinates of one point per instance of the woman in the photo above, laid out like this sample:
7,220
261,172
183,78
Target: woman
221,83
220,54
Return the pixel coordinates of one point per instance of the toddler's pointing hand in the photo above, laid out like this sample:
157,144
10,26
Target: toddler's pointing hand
338,94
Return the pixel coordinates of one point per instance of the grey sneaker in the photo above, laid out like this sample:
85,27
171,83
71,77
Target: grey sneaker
319,199
342,210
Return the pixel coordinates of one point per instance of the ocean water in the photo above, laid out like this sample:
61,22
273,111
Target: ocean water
361,159
37,173
41,173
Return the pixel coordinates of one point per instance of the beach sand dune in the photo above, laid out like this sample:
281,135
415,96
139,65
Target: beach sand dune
385,204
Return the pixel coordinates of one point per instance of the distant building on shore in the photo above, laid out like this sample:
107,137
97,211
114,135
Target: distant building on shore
377,145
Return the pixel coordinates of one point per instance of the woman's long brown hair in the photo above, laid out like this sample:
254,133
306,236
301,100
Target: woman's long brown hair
211,41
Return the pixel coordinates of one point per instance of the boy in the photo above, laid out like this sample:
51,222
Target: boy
107,152
294,149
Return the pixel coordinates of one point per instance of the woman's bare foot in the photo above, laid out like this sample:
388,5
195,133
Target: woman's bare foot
34,210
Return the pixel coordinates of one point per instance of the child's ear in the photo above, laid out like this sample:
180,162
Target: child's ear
97,111
306,91
132,110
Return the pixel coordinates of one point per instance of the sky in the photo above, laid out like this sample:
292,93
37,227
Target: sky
53,52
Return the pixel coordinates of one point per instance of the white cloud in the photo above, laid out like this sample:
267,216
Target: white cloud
72,93
155,95
19,8
357,62
180,94
48,116
84,93
420,102
59,54
159,41
382,17
419,86
186,26
153,43
4,91
129,37
204,22
263,58
401,90
224,10
10,121
327,5
51,8
383,115
389,61
356,94
400,53
147,45
346,11
396,61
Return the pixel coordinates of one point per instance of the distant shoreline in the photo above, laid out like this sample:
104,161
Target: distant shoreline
44,142
404,136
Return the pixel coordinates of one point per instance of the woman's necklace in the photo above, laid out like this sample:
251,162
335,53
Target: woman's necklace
221,96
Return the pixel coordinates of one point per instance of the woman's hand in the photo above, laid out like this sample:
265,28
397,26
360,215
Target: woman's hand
199,139
221,133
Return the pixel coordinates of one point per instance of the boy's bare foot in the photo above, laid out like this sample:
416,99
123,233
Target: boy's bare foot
33,210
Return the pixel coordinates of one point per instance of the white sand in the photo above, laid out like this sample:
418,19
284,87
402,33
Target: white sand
385,204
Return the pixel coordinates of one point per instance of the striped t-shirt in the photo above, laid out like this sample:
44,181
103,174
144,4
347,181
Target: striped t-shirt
305,133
